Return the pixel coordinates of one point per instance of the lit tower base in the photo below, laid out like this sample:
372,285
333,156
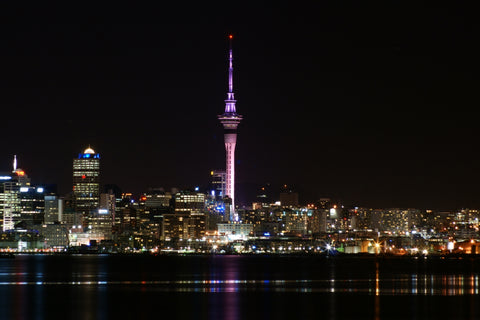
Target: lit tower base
230,120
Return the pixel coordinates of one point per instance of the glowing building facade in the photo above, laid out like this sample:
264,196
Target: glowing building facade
11,186
230,120
86,182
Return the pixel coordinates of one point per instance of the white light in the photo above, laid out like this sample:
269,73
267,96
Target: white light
23,189
5,178
40,190
333,213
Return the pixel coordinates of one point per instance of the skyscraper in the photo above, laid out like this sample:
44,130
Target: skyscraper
230,120
218,183
86,182
11,184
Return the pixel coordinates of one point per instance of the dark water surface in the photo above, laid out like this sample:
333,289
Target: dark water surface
238,287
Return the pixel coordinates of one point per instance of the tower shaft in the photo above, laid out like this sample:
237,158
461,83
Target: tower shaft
230,142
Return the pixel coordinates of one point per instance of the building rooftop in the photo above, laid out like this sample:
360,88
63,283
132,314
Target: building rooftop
89,150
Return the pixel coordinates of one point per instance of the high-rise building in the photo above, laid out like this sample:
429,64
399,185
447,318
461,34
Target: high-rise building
53,209
190,202
189,219
32,206
102,220
288,197
157,198
86,182
11,184
218,183
230,120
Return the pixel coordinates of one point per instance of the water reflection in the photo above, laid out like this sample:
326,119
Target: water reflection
231,303
444,285
222,287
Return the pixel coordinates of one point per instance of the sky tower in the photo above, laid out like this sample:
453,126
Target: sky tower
230,120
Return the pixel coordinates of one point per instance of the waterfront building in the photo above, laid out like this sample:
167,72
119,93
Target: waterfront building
55,235
21,239
235,231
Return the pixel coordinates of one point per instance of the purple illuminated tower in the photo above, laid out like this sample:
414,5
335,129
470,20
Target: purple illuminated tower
230,120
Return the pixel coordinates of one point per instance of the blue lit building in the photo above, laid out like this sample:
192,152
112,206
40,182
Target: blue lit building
86,183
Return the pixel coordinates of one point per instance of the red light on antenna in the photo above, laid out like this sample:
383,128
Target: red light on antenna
230,36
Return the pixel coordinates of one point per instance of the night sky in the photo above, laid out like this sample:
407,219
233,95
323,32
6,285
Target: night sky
372,104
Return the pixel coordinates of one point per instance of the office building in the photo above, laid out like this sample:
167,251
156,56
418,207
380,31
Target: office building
86,182
218,185
10,199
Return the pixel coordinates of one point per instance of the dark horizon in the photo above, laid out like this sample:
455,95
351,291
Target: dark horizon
372,104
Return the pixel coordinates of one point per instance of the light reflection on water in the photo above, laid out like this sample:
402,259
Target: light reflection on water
235,287
444,285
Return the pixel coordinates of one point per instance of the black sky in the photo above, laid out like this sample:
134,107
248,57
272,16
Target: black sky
374,104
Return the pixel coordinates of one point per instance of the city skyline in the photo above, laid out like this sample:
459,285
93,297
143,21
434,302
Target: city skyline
375,110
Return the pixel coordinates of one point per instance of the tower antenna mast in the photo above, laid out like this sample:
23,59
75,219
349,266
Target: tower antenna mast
14,163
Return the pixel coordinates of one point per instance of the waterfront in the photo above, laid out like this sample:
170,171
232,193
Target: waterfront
238,287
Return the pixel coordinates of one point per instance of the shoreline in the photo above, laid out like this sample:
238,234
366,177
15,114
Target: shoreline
336,256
